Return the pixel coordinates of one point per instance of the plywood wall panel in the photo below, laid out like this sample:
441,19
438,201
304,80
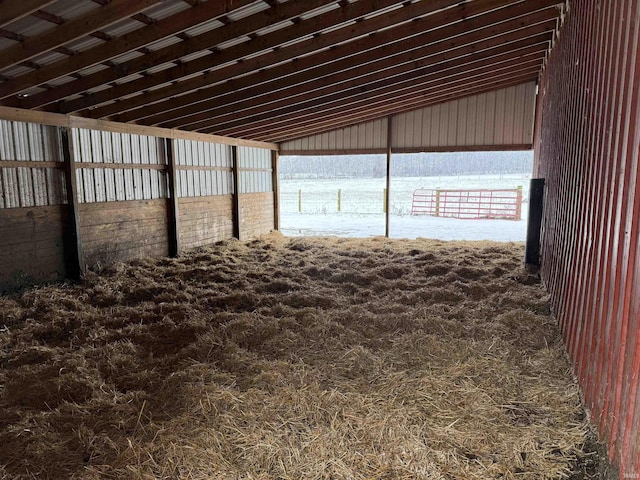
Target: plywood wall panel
256,214
119,231
205,220
31,245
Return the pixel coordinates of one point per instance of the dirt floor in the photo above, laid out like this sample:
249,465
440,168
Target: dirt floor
293,359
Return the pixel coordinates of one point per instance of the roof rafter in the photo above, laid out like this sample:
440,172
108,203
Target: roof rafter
138,38
204,41
462,90
430,56
382,80
319,70
10,10
268,43
78,27
440,26
339,103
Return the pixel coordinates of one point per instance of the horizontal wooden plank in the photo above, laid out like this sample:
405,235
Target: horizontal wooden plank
124,166
27,236
347,151
158,203
42,247
30,213
123,233
60,120
203,168
29,164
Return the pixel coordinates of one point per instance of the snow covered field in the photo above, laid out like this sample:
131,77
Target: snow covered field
361,208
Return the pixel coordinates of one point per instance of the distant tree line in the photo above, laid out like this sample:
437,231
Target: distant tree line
407,165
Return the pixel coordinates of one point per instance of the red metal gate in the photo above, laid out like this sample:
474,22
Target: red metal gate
478,204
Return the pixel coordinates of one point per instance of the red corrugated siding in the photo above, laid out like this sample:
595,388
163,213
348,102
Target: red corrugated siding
587,148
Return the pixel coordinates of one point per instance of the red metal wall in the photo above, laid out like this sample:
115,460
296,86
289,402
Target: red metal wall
587,141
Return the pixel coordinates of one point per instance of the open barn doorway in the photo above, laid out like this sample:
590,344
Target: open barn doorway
445,195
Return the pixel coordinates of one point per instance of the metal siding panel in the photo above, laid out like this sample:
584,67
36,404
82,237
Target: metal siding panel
463,109
508,126
588,149
530,108
34,132
499,116
7,150
21,141
478,121
490,119
452,124
426,127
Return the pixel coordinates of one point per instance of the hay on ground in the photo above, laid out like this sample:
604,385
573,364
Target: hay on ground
291,359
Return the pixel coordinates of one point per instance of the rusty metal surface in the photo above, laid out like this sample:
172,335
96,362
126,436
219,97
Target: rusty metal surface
587,147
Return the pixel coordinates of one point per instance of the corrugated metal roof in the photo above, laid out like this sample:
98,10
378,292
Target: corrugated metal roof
69,9
166,8
122,28
165,42
248,10
204,27
275,58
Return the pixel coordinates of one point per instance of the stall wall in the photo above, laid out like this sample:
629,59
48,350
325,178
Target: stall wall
588,136
123,201
32,211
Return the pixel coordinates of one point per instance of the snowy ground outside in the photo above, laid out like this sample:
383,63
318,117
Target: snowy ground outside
362,215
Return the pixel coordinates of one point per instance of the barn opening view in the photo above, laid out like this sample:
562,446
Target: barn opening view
274,239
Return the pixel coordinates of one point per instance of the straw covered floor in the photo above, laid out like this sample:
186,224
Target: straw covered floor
291,359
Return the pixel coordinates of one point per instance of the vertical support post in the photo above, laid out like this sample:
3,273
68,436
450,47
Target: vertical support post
388,189
339,200
384,200
438,202
236,191
172,200
534,225
275,160
73,255
300,201
519,203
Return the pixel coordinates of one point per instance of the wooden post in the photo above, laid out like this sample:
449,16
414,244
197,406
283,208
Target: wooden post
236,191
172,200
388,189
275,157
300,201
534,225
339,200
519,203
73,256
438,202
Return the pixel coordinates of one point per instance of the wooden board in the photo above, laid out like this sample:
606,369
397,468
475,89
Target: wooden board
205,220
120,231
256,214
31,246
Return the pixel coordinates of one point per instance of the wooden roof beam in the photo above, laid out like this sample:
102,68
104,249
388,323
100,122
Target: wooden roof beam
348,55
138,38
344,103
376,81
361,77
73,29
12,10
271,41
204,41
364,115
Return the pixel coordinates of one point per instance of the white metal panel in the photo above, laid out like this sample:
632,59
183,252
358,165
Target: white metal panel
501,118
